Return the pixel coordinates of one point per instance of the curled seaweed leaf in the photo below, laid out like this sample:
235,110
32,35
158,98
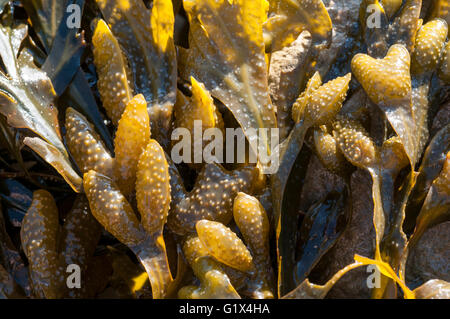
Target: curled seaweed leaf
214,281
27,98
227,55
65,46
308,290
436,208
55,158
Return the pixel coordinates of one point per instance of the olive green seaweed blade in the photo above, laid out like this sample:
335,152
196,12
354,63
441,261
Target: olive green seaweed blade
27,99
404,27
39,233
436,208
322,226
433,160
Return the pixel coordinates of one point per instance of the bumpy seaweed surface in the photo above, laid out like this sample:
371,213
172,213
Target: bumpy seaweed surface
95,202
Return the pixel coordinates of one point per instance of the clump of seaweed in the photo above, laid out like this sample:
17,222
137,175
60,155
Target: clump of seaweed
97,191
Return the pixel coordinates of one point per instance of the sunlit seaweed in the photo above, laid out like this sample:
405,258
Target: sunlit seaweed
346,97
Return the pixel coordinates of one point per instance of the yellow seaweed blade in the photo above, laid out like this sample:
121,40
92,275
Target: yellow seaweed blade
300,104
112,74
224,245
139,281
384,80
111,209
326,101
429,43
294,16
391,6
85,145
132,136
386,270
162,23
146,38
355,143
153,188
200,107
